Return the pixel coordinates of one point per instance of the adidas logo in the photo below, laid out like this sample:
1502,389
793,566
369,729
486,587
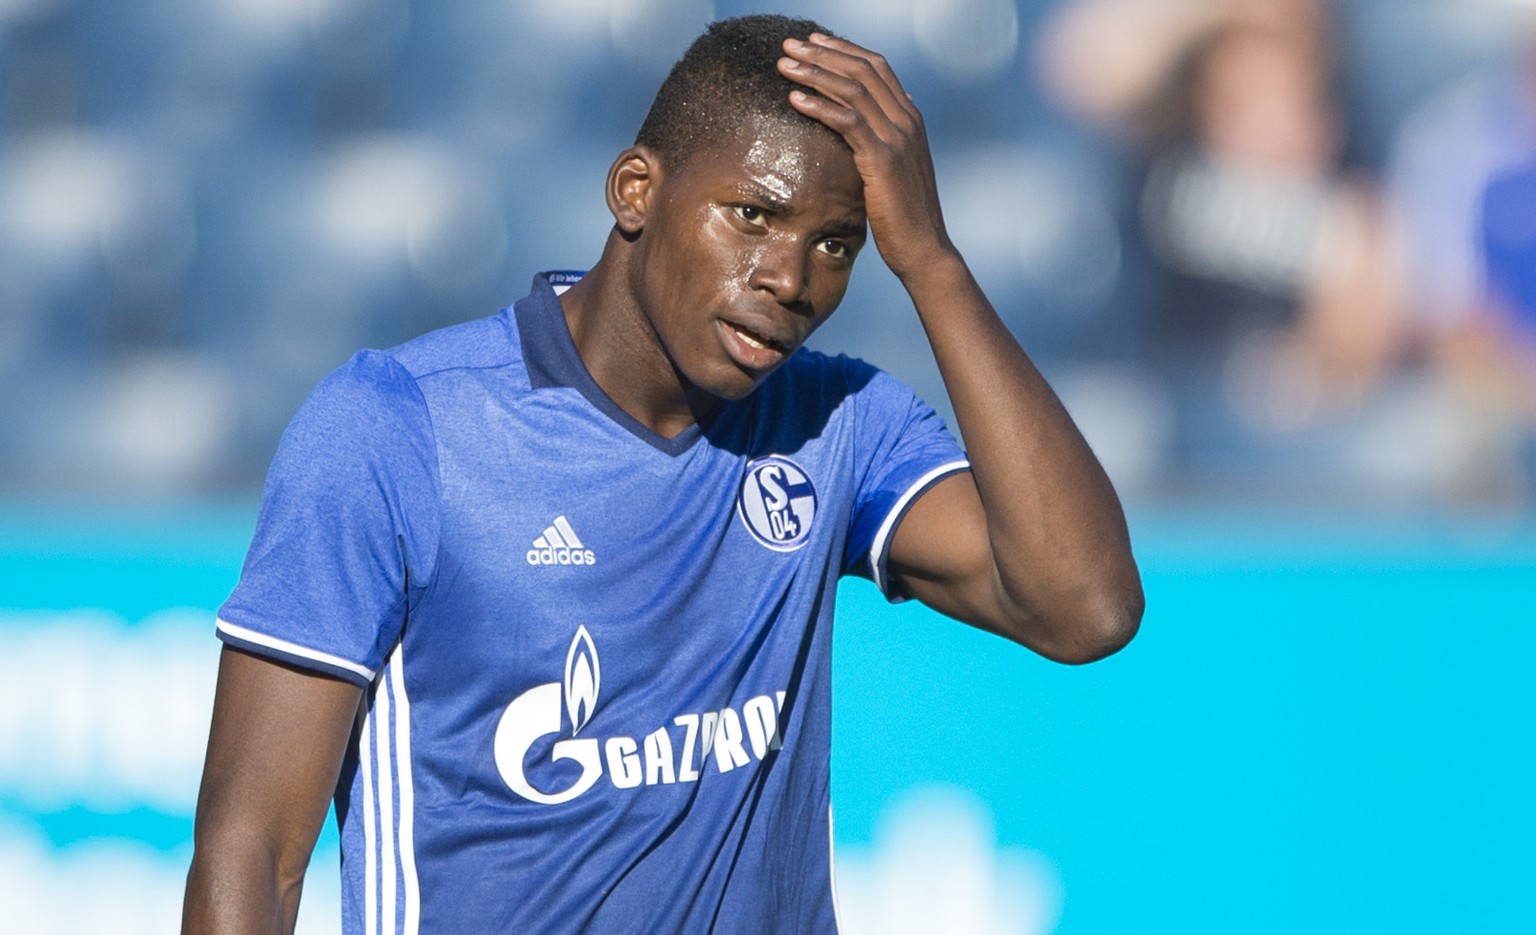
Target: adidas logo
560,546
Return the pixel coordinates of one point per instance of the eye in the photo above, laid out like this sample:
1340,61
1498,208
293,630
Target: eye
837,249
752,214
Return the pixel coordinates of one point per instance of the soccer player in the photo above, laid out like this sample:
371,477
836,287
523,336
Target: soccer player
544,600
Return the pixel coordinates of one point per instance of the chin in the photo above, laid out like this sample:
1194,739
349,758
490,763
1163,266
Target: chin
735,386
735,391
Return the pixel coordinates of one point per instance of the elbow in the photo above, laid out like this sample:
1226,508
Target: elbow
235,880
238,863
1105,632
1089,629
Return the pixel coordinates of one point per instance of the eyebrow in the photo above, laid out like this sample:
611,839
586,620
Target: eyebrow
768,199
848,230
844,229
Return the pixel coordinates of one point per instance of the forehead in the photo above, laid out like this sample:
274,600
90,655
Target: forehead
791,161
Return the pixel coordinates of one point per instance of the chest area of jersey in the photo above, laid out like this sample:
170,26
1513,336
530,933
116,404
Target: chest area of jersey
607,621
552,509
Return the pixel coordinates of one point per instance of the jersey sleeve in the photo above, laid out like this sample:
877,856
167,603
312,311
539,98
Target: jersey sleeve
347,535
904,449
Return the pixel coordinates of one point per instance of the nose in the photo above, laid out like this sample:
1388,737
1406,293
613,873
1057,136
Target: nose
780,269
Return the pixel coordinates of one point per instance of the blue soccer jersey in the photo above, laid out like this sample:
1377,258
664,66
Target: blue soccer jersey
596,660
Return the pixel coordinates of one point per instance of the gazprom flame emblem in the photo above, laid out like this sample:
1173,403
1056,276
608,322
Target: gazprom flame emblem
541,727
583,678
536,713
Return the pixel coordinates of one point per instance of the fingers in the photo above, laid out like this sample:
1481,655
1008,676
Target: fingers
853,77
852,54
858,96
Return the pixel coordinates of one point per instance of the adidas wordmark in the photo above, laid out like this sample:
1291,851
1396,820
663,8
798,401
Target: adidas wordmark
560,546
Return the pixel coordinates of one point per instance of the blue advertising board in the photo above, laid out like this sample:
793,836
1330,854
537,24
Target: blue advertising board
1323,726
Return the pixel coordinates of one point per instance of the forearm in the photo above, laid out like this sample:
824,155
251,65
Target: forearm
1057,534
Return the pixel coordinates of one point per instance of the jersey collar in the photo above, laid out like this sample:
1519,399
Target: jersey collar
550,355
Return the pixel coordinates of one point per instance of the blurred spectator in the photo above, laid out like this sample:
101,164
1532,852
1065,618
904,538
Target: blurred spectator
1464,188
202,212
1273,318
1509,325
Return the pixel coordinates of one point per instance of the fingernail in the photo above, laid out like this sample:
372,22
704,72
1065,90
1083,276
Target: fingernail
796,44
788,63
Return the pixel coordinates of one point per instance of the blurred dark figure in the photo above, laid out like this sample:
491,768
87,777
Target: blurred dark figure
1273,312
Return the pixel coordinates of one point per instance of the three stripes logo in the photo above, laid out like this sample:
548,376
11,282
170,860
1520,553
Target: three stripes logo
559,545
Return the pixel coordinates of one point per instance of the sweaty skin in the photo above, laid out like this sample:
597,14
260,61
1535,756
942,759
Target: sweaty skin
779,167
716,271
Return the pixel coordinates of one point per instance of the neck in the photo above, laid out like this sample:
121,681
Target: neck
622,352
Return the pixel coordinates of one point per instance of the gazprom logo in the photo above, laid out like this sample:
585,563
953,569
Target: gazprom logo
777,503
691,744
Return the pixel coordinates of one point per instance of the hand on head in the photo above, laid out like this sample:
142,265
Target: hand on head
859,96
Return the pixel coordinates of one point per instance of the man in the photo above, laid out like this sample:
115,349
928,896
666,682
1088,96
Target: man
545,599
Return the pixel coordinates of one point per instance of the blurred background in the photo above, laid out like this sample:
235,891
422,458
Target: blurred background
1278,258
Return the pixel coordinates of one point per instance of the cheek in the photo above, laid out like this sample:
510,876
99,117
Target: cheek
723,261
723,249
745,261
712,252
829,287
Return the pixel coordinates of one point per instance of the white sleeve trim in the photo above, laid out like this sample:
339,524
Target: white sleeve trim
293,649
888,525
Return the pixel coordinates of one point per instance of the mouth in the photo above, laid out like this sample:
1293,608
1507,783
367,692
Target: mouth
753,349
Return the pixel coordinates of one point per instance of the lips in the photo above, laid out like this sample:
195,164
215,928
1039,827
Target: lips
752,349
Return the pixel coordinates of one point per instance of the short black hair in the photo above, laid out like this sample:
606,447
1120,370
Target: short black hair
726,79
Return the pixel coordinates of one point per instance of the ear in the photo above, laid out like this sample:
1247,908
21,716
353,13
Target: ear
633,181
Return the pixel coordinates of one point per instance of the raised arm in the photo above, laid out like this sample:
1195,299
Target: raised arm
274,755
1032,544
